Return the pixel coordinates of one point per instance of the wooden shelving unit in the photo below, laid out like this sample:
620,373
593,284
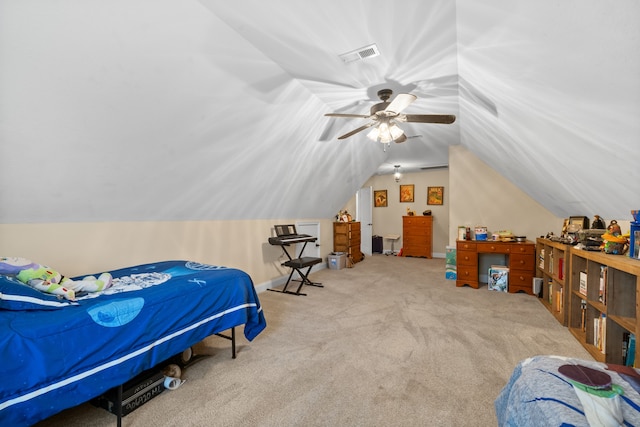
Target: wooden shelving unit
552,266
610,284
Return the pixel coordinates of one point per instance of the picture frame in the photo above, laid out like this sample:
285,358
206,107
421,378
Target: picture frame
435,195
379,198
406,193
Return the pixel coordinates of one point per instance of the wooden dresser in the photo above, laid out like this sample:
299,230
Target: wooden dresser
346,238
521,262
417,235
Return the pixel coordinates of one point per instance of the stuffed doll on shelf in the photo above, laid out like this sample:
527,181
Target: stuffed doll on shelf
47,280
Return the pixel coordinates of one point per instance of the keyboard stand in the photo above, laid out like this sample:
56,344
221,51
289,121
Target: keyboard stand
298,265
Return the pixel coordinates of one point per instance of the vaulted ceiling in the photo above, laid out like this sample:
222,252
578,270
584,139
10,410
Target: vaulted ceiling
186,110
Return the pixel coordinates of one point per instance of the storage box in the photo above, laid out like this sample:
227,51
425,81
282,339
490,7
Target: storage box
337,261
451,272
135,392
498,278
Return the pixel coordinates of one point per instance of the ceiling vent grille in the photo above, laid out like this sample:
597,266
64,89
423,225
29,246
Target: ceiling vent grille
425,168
362,53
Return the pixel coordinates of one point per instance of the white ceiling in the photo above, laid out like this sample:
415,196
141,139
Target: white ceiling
186,110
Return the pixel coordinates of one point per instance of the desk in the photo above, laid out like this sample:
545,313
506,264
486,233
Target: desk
521,262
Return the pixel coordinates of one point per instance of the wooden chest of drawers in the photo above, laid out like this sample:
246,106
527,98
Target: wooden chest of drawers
417,234
346,238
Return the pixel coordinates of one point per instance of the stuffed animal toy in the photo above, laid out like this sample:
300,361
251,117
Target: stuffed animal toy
45,279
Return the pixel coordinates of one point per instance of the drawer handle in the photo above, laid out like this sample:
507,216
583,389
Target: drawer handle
521,262
466,258
493,248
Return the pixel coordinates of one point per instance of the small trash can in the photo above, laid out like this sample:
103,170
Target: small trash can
336,261
376,244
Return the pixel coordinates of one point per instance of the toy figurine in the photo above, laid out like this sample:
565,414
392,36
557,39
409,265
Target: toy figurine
45,279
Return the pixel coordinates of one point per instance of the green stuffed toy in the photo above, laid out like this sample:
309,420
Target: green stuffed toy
45,279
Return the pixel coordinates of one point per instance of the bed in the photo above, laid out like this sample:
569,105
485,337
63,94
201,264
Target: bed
57,353
540,394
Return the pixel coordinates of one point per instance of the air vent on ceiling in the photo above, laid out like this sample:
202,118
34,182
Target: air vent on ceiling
362,53
424,168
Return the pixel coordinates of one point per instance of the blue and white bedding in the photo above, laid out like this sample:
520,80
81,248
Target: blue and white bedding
55,355
537,394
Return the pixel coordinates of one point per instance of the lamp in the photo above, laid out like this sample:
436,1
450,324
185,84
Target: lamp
396,174
385,132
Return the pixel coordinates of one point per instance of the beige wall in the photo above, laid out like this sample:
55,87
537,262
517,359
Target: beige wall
81,248
388,220
482,197
474,195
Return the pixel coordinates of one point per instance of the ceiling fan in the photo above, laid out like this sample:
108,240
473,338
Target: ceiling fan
385,116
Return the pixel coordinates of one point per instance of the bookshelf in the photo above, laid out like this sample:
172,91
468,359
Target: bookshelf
552,266
603,315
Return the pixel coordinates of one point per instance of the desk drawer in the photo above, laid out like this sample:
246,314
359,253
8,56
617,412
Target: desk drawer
498,248
521,248
520,281
467,273
467,258
465,246
524,262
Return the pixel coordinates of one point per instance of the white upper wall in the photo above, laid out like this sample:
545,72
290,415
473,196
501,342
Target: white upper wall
178,110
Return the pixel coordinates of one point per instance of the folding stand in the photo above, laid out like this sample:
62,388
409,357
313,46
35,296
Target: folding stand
297,265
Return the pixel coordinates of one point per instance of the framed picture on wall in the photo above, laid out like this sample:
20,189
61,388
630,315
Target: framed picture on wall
435,195
406,193
380,198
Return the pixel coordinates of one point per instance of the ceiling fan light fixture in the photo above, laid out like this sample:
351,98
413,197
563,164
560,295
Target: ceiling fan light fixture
373,135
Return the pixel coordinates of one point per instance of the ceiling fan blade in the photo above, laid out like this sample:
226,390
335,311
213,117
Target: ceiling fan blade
353,116
401,138
360,129
400,102
431,118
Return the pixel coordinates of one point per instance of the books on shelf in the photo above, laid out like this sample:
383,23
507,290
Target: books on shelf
583,315
602,291
560,268
630,359
541,260
559,301
600,332
583,283
498,278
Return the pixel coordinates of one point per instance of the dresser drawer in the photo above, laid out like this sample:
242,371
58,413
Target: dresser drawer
412,240
416,231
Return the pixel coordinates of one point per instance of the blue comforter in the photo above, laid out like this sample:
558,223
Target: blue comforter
56,359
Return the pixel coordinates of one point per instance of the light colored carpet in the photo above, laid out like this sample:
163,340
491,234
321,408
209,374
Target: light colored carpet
389,342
